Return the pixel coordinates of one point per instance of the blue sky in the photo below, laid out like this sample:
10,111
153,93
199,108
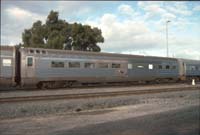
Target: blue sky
131,27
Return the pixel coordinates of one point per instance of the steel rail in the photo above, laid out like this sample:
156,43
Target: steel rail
94,95
86,86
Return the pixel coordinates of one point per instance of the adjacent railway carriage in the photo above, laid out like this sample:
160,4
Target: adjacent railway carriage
192,69
7,66
51,68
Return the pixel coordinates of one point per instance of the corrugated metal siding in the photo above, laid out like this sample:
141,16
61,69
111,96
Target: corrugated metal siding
7,66
7,71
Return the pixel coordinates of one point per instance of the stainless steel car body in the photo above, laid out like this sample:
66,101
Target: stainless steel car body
142,67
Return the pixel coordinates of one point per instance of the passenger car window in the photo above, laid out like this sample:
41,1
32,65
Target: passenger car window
103,65
43,52
196,68
173,67
89,65
150,66
37,51
130,66
167,66
29,61
74,65
7,62
140,66
57,64
31,51
159,66
115,65
191,67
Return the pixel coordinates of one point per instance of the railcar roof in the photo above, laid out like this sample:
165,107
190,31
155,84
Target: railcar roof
3,47
191,61
55,51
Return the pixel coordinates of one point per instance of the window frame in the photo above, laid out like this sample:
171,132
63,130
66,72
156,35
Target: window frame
89,67
140,66
6,62
160,67
115,65
103,67
27,61
56,64
130,66
174,67
69,66
167,67
150,66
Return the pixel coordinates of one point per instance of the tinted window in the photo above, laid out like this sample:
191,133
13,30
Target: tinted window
74,65
191,67
159,66
89,65
167,66
31,51
29,61
103,65
173,67
57,64
37,51
115,65
43,52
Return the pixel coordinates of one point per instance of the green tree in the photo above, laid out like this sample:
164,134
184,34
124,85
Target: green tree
59,34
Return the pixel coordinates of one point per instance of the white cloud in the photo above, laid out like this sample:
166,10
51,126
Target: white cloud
14,23
121,36
152,9
17,12
188,53
179,8
20,14
143,4
126,9
196,8
130,36
168,16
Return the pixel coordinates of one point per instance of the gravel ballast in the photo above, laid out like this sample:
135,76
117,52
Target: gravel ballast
43,108
29,92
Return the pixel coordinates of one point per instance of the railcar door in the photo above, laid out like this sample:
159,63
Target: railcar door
30,67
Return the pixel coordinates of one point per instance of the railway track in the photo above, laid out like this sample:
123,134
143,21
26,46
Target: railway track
13,89
93,95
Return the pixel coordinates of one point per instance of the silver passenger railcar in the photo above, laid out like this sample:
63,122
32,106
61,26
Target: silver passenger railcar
191,68
49,68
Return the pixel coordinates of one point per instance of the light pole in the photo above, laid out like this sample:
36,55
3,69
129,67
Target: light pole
167,37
